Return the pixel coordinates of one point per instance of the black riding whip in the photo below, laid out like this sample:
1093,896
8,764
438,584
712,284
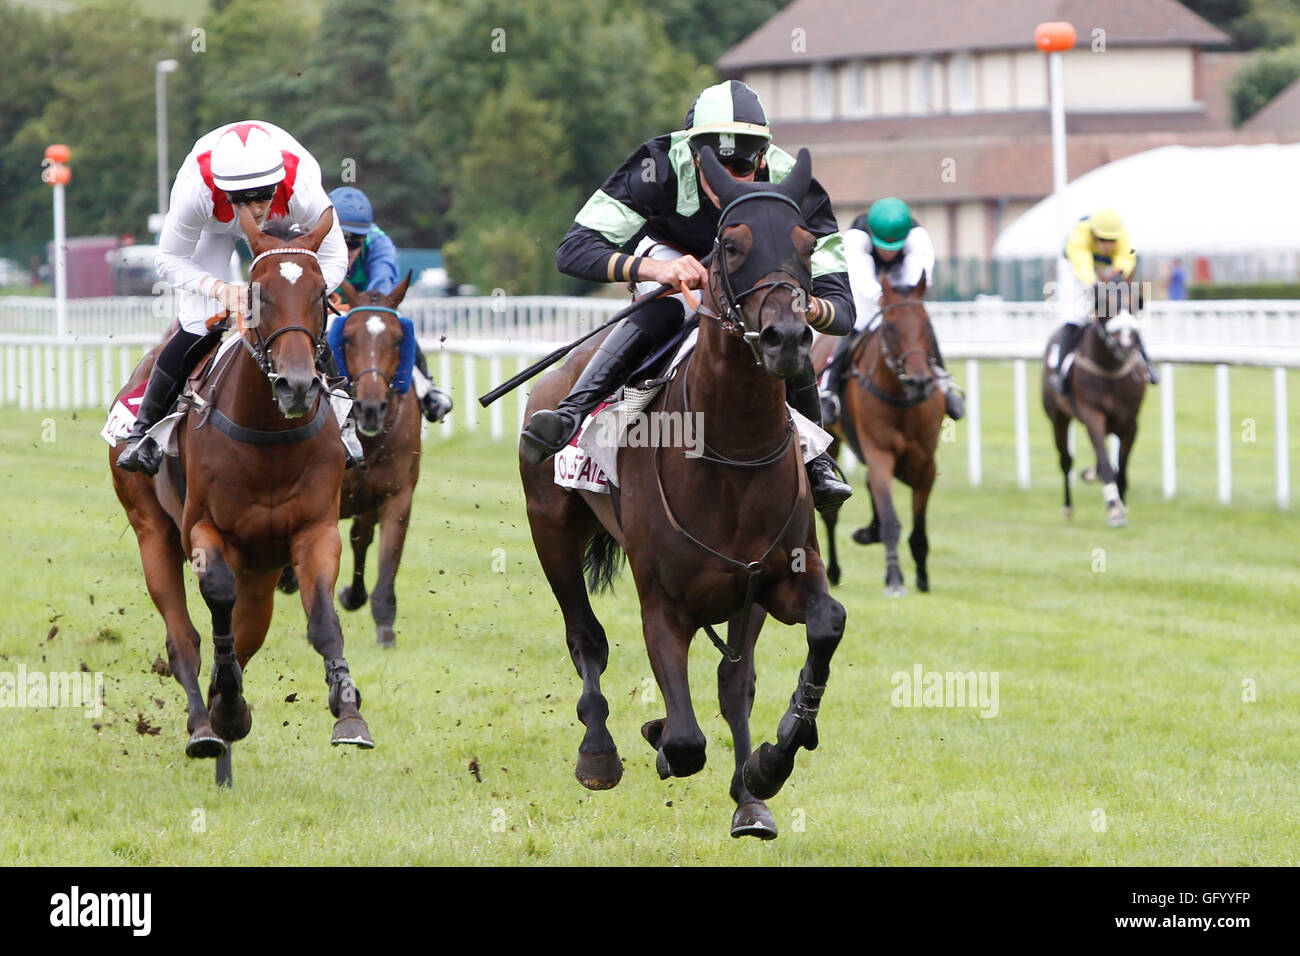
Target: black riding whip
548,360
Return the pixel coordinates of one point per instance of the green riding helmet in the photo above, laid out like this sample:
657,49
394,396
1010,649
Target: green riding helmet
888,222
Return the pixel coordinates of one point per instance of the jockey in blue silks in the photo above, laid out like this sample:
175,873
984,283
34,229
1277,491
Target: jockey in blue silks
372,267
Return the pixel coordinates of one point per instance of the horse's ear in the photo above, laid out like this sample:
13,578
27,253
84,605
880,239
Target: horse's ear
399,291
919,291
313,239
720,181
257,240
350,294
795,186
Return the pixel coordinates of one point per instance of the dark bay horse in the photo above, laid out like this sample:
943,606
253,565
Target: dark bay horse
891,420
704,535
1106,385
262,462
379,490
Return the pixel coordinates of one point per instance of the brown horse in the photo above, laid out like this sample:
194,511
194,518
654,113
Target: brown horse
891,420
260,490
1106,385
379,490
707,536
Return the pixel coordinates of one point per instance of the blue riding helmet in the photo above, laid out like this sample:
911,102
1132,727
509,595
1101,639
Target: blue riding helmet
355,213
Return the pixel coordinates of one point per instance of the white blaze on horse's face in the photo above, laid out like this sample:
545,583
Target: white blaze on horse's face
1124,328
375,325
291,271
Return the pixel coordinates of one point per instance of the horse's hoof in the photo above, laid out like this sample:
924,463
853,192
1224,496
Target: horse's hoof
753,819
232,722
288,581
1069,512
352,730
661,764
1088,474
833,574
385,637
599,771
895,590
1117,518
766,781
204,743
652,730
923,584
351,599
867,535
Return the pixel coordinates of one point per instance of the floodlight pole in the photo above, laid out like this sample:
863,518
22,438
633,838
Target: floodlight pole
161,69
1055,38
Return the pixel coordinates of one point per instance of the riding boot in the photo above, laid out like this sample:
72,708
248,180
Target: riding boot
836,374
173,365
434,403
828,490
1152,375
618,356
348,430
1069,342
953,397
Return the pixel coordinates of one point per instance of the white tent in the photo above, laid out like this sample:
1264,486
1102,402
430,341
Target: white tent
1179,200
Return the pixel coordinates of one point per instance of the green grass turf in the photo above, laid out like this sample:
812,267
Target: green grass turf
1120,691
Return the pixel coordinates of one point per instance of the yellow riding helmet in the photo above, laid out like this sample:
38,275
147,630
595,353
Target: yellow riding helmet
1106,224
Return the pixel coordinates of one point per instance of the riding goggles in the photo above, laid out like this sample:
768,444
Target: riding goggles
239,197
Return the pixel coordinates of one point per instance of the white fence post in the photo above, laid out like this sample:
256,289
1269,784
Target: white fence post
1223,427
973,462
444,376
1022,423
1168,451
470,406
1281,449
521,393
494,375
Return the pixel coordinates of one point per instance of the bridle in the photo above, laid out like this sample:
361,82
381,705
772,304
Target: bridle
391,415
897,364
730,314
259,348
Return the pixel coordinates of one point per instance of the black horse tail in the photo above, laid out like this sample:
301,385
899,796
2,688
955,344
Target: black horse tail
602,561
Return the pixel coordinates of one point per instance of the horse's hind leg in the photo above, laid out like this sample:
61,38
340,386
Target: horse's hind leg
800,597
217,583
736,699
1095,421
560,543
354,595
1127,436
394,515
316,560
1061,430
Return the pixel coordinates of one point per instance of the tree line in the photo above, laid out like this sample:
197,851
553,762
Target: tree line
479,126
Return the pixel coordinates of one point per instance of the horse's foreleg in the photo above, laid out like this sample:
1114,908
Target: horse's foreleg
316,560
881,480
830,520
363,532
217,583
736,699
869,534
919,541
163,561
394,516
1095,422
678,739
1127,436
800,597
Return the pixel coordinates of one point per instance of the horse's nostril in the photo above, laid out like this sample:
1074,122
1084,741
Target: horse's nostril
806,338
769,338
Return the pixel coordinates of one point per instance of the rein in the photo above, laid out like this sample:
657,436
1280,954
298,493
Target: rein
393,407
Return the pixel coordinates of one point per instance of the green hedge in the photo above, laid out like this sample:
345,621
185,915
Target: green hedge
1245,290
